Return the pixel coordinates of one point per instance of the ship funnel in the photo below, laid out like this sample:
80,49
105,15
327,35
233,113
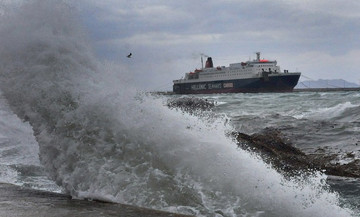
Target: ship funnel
209,63
258,56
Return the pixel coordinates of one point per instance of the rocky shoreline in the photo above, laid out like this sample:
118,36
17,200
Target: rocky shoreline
286,158
273,148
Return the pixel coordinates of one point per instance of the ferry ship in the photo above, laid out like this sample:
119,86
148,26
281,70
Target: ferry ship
258,75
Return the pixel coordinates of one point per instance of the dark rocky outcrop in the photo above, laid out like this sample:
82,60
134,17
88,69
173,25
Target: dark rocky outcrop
191,104
270,145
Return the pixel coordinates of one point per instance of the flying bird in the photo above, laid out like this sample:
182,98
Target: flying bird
129,56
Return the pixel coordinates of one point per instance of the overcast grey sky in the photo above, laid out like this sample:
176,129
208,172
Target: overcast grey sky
320,38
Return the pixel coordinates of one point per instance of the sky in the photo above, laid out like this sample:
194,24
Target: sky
319,38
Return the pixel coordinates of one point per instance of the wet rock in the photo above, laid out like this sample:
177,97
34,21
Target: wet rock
350,155
191,104
271,147
286,158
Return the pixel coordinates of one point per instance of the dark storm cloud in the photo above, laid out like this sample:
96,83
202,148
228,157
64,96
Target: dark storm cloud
164,35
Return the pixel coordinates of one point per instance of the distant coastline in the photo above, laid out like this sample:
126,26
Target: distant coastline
326,83
333,89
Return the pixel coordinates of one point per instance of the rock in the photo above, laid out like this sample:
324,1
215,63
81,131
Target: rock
191,104
289,160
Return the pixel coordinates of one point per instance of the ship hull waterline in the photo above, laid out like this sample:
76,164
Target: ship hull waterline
279,83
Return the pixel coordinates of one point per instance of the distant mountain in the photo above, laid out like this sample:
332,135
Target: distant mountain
326,83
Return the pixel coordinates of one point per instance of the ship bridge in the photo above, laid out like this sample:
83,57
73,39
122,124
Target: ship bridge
263,65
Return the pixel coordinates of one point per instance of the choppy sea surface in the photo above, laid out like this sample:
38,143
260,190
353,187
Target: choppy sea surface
70,123
326,122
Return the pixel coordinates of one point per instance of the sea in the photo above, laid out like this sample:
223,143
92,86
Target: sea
72,124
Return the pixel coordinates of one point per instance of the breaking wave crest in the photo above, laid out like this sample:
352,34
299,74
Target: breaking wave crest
99,138
332,112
